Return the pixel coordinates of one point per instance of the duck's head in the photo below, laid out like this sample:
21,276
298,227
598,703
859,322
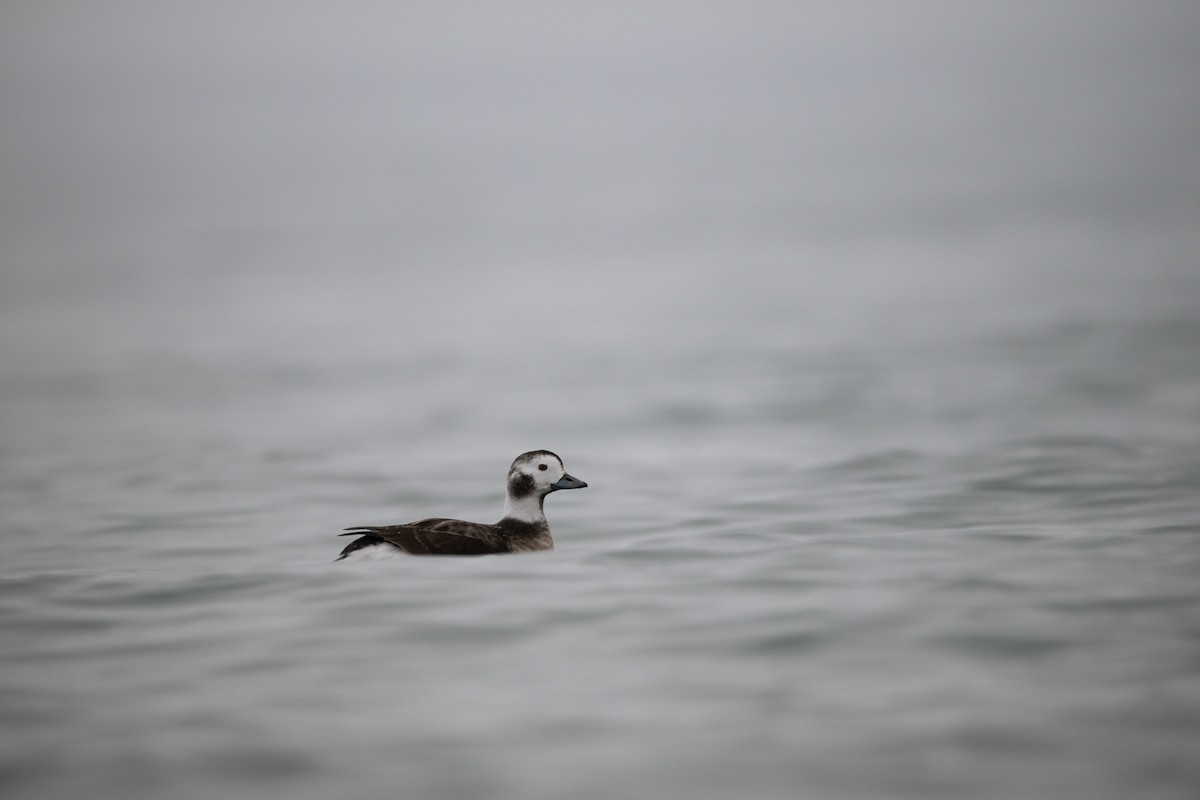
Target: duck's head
537,474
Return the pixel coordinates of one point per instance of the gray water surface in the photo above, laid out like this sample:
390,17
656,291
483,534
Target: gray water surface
876,337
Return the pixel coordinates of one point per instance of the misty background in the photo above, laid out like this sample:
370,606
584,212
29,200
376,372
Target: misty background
319,178
873,327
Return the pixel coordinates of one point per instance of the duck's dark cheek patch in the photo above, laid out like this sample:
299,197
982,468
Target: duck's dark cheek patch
520,485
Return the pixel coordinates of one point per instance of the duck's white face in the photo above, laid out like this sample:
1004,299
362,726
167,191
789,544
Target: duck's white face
537,474
530,478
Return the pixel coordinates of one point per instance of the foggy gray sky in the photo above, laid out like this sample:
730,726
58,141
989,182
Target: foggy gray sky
134,119
301,162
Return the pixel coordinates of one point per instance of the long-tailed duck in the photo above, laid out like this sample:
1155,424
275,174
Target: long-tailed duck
530,478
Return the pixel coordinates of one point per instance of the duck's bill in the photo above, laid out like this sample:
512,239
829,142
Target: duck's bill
568,482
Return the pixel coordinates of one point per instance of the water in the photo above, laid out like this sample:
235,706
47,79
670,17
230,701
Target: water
890,418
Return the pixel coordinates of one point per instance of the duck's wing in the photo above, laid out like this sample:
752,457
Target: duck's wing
431,537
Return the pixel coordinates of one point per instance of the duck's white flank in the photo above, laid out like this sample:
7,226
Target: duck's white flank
374,552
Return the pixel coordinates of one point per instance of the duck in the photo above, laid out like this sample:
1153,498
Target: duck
522,528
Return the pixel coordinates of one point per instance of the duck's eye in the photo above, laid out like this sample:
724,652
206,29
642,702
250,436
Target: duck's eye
542,467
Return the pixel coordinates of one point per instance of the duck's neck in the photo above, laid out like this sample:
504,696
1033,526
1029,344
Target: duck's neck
525,509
